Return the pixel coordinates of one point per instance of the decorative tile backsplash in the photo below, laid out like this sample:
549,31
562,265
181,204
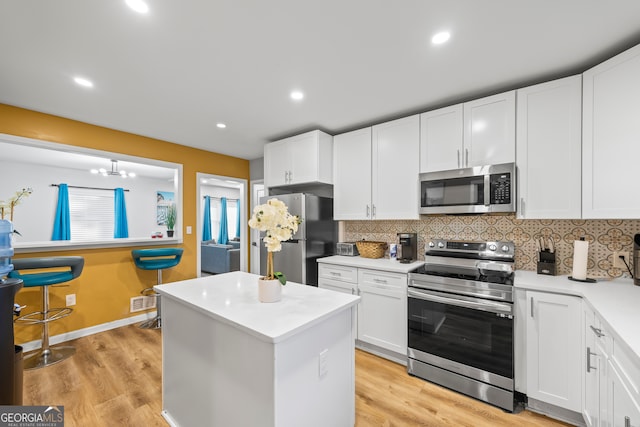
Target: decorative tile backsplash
604,237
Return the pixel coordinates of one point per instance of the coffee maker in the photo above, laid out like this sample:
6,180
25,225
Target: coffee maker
408,247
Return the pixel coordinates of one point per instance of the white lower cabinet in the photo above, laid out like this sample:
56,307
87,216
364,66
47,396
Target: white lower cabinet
611,396
381,319
554,338
623,410
382,312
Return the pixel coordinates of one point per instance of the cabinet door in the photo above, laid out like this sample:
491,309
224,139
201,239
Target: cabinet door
610,140
554,348
441,139
311,158
352,175
277,159
490,130
593,365
395,169
549,145
304,158
624,411
382,312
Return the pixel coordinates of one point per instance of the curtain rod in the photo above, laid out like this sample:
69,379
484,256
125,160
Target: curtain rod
204,197
87,188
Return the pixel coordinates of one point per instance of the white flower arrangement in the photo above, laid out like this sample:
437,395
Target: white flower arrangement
12,202
279,225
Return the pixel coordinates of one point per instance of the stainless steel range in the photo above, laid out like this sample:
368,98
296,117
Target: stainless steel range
461,319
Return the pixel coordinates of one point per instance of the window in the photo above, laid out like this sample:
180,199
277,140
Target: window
91,214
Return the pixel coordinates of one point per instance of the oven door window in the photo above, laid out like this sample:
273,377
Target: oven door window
453,192
471,337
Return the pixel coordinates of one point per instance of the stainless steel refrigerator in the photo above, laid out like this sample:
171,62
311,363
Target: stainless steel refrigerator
316,238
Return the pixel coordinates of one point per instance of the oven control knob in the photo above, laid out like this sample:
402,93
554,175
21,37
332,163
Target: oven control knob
505,248
431,244
440,245
492,247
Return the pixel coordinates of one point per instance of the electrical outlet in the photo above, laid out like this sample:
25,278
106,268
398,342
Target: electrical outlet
322,363
71,300
618,263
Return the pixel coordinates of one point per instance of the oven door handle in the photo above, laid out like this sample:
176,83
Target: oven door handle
492,307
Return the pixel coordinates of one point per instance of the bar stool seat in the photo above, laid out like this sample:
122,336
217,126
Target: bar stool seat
72,266
155,259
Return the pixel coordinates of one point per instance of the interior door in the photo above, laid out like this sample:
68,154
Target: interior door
257,191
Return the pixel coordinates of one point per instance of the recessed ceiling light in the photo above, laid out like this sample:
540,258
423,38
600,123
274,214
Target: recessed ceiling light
441,37
138,5
83,82
221,125
296,95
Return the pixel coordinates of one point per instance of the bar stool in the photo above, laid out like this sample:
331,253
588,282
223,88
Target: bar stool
72,268
155,259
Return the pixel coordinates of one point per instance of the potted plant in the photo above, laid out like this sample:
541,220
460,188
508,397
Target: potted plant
171,219
279,225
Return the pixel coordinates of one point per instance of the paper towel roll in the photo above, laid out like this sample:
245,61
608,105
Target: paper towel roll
580,259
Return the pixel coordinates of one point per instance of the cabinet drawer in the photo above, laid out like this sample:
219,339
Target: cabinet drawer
338,272
382,279
336,285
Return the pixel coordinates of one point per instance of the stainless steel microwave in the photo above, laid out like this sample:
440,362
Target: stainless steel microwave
479,189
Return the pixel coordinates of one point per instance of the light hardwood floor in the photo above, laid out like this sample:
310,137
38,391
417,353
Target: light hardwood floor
114,379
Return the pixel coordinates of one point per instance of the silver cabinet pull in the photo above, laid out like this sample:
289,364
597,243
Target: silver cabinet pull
373,210
466,153
522,206
589,353
458,157
383,281
531,306
597,331
367,211
627,422
335,273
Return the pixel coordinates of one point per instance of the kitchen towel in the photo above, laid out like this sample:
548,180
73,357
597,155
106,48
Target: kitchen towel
580,259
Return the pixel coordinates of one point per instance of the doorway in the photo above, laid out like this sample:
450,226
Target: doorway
234,190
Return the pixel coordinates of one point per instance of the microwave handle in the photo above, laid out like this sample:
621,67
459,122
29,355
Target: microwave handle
487,190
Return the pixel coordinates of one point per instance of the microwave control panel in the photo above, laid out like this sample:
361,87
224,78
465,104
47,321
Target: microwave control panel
500,188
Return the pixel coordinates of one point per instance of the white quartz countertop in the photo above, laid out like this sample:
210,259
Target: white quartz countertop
384,264
616,301
232,298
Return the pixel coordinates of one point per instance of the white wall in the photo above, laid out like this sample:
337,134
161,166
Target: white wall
33,217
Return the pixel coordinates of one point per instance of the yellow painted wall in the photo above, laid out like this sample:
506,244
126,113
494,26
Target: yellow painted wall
110,278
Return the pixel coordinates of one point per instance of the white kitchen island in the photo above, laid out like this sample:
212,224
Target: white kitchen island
229,360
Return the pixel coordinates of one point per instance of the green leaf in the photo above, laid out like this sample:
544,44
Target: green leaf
281,277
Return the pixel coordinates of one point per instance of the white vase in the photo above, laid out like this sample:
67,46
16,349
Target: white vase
269,290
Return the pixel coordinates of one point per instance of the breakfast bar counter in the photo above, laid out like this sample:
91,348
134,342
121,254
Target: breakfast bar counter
229,359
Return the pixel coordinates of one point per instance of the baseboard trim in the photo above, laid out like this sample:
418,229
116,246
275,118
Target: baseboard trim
562,414
68,336
382,352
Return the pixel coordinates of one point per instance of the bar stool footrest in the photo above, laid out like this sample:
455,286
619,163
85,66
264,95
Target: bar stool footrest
37,317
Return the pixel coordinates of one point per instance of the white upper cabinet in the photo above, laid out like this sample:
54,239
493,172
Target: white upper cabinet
476,133
441,139
490,130
395,164
300,159
352,175
610,139
376,171
548,149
